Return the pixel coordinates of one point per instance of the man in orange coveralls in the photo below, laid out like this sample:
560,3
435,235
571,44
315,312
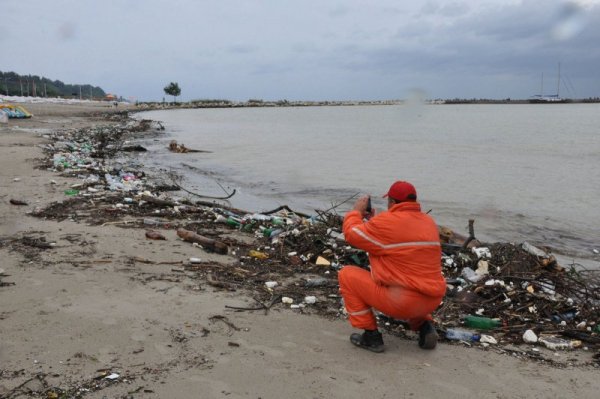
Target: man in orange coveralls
406,279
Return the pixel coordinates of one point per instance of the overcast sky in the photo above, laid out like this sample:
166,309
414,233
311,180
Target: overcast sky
308,50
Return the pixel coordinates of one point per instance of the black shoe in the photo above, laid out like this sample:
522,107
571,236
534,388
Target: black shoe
427,336
370,340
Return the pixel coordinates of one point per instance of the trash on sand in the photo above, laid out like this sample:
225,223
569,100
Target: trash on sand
488,339
271,284
457,334
195,260
287,300
535,251
471,275
18,202
556,343
257,254
206,242
482,252
310,299
482,268
112,376
316,282
482,323
230,221
154,235
530,337
321,261
71,192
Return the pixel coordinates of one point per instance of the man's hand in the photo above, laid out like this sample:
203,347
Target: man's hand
361,206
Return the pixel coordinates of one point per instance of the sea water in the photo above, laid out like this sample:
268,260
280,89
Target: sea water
523,171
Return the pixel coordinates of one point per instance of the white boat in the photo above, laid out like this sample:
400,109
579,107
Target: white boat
548,99
540,99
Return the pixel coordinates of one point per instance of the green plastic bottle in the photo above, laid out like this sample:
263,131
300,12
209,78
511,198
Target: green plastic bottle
267,232
71,192
482,323
249,226
277,221
232,222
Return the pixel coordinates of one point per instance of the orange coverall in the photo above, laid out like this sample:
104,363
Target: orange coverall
406,279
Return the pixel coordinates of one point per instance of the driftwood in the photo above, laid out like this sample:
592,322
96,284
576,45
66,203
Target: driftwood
180,148
471,234
154,235
18,202
449,236
265,306
208,243
210,280
285,208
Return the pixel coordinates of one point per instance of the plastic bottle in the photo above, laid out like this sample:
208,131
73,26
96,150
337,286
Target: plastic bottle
248,225
267,232
71,192
277,221
230,221
482,323
456,334
275,233
151,222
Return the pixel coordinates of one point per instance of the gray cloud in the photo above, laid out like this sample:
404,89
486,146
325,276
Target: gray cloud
355,49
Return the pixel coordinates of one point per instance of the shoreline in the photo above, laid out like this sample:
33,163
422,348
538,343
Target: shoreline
565,230
87,304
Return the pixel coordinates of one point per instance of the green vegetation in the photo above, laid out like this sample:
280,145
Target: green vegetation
173,89
13,84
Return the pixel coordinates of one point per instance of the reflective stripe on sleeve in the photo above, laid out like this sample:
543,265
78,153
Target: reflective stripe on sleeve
397,245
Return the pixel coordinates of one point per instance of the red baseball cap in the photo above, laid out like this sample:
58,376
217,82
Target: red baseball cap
402,191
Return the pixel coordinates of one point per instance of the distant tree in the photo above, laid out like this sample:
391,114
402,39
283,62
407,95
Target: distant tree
173,89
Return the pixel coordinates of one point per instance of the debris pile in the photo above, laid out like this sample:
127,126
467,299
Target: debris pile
509,291
525,292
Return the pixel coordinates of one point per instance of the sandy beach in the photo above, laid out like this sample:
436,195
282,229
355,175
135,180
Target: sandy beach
86,317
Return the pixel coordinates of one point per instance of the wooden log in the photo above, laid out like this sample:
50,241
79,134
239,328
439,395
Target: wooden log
449,236
209,243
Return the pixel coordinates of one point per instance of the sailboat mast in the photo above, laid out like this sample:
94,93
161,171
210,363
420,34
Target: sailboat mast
542,88
558,84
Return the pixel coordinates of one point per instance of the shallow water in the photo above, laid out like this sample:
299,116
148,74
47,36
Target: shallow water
523,172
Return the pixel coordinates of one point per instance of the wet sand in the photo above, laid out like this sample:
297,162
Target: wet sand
84,310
